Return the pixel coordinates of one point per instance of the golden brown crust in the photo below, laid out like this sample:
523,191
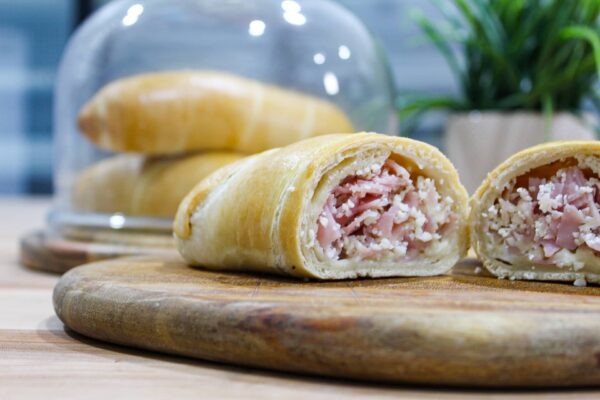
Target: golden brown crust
175,112
256,214
134,185
491,188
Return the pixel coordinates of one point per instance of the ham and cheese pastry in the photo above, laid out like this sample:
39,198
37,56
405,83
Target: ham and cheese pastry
331,207
177,112
135,185
537,215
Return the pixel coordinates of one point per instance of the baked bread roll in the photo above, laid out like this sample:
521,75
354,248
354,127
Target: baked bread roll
536,216
331,207
134,185
176,112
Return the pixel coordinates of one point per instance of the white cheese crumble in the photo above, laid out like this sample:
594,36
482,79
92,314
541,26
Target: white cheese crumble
548,222
369,218
580,282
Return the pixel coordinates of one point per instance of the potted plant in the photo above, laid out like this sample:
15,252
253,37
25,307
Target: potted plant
526,71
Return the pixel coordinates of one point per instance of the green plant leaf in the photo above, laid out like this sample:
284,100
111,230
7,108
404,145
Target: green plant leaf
588,34
412,107
539,55
439,40
548,113
449,12
408,105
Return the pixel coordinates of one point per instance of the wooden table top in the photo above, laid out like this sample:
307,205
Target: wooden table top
39,359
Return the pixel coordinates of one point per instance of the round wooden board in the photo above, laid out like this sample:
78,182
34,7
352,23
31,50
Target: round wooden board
462,329
42,251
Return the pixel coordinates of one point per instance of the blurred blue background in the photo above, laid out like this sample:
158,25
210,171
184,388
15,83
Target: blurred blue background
33,34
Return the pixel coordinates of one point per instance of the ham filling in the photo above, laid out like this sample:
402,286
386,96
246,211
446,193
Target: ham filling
549,217
381,212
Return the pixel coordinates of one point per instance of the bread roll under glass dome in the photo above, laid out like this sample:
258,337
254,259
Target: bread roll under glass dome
154,95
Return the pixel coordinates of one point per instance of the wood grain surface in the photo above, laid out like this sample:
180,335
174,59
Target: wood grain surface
464,329
51,252
39,359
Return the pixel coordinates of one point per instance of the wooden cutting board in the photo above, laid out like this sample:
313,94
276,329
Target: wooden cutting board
463,329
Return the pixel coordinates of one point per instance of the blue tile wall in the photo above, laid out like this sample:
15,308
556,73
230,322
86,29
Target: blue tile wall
32,35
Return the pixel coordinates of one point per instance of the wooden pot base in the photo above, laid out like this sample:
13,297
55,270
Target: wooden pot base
47,252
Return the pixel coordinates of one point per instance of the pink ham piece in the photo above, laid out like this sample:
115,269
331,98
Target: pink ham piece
568,226
381,210
328,231
563,212
550,248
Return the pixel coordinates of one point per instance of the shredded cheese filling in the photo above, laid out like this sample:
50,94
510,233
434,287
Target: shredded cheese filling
381,212
550,220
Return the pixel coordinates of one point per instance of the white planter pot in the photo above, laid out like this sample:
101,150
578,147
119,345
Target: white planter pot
478,141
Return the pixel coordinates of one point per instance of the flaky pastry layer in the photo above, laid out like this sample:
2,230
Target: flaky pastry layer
549,210
262,213
183,111
140,186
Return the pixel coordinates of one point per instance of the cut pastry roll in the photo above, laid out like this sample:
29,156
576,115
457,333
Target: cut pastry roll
537,215
136,185
331,207
183,111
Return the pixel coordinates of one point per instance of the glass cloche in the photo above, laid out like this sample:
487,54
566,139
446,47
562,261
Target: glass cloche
152,95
